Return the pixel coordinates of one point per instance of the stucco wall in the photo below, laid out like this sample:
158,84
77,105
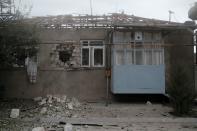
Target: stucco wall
82,83
85,85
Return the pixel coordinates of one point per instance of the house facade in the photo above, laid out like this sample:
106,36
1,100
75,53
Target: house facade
93,57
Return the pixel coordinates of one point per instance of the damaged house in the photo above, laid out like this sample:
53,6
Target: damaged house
89,57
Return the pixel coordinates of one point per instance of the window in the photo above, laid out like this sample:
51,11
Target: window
138,57
119,57
158,57
98,57
93,53
129,56
85,57
148,57
146,50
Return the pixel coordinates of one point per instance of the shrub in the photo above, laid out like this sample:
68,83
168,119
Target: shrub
181,91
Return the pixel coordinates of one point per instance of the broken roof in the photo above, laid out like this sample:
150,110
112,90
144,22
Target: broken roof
101,21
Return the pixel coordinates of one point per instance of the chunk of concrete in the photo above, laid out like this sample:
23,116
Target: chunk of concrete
70,106
43,110
75,102
37,99
44,101
50,99
63,99
57,99
38,129
14,113
68,127
148,103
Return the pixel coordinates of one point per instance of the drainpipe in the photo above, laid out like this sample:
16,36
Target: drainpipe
108,66
195,35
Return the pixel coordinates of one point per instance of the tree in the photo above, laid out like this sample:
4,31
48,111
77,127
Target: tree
17,38
182,92
17,41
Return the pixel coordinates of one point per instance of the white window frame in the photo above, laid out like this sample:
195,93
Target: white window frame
91,52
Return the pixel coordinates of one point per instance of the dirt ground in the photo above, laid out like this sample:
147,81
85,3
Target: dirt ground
117,116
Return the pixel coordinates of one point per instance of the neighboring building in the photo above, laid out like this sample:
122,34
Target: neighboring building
77,53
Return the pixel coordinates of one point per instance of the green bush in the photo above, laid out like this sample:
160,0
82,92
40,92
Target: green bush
181,91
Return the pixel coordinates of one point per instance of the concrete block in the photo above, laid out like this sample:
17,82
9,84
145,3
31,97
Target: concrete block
37,98
57,99
68,127
50,97
63,99
43,110
14,113
44,101
75,102
148,103
70,106
38,129
73,63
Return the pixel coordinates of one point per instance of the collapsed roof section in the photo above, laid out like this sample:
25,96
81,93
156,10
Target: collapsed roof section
103,21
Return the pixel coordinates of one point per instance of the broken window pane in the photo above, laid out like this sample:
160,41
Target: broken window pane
98,57
85,57
119,57
139,57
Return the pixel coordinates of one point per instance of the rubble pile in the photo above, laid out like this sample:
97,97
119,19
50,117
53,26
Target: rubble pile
54,106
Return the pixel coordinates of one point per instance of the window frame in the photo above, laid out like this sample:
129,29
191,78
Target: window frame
91,48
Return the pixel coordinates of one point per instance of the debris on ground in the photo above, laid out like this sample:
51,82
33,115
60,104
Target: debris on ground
56,105
56,112
14,113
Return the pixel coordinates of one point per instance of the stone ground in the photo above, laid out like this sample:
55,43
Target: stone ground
143,116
